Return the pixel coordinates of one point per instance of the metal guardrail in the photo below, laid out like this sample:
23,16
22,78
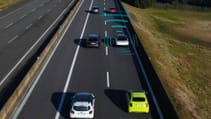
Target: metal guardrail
13,102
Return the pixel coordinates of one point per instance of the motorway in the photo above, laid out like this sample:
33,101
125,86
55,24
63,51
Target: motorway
22,28
107,72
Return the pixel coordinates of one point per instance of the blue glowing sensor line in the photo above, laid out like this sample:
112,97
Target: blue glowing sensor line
118,26
116,20
114,15
108,41
124,52
119,31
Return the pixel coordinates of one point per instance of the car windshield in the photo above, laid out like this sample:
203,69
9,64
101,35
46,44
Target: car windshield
95,7
138,99
83,98
81,108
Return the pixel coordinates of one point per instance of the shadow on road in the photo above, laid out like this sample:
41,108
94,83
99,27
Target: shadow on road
80,42
56,101
118,97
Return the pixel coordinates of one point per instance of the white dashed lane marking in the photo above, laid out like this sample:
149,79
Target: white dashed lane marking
14,38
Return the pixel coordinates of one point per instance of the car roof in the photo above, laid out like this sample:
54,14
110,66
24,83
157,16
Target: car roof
95,7
83,96
121,35
93,35
82,104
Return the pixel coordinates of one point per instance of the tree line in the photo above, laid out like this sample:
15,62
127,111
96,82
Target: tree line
148,3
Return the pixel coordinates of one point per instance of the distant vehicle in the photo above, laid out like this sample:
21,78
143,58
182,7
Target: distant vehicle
95,9
93,40
137,101
82,105
121,40
112,10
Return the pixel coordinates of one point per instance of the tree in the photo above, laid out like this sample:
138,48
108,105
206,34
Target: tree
143,3
175,2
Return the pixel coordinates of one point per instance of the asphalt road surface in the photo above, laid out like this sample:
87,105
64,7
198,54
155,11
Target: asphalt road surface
106,71
22,29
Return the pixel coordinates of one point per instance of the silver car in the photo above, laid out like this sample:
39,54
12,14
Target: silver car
121,40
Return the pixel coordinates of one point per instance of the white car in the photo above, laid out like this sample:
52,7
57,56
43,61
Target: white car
82,105
121,40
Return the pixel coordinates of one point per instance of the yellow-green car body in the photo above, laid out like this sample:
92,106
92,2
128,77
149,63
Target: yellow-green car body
137,101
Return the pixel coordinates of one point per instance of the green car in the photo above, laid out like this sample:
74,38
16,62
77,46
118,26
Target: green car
137,101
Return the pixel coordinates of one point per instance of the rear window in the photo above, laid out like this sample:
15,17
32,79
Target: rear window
81,108
138,99
95,7
92,39
122,38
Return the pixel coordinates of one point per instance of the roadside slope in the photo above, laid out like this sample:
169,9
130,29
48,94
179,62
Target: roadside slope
7,3
179,45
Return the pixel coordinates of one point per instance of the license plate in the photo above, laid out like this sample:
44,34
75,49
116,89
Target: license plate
138,105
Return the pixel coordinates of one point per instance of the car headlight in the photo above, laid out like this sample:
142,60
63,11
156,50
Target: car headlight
90,112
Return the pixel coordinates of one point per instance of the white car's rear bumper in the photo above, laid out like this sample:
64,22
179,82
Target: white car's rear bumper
121,43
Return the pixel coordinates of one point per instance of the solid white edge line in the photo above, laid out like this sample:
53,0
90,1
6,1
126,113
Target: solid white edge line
28,51
71,68
108,79
42,70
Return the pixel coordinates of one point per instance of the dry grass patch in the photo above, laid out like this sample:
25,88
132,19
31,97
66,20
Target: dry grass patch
7,3
179,44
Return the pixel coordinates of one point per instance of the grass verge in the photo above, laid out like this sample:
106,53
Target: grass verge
7,3
179,44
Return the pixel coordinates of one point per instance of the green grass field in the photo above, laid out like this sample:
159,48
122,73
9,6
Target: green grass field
179,44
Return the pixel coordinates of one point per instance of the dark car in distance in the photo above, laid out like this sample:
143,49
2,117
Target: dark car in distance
95,9
93,40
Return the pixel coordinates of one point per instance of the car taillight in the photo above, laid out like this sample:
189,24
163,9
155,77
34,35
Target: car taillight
90,112
131,104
